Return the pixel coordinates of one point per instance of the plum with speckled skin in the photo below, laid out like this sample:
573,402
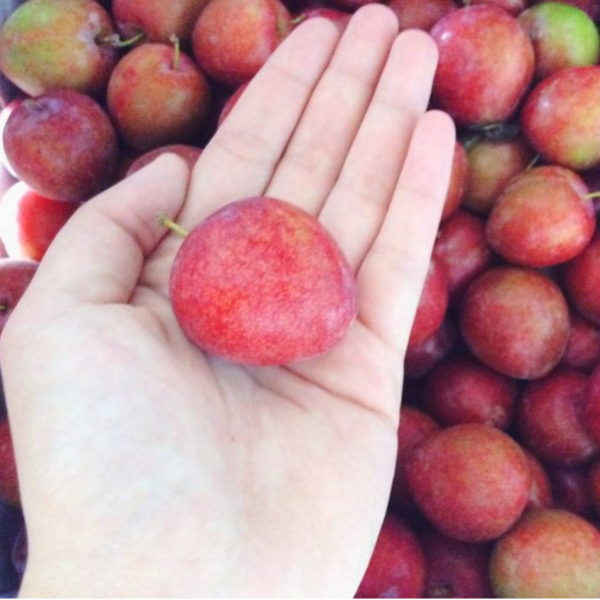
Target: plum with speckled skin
157,19
261,282
471,481
47,45
158,98
549,554
471,83
561,118
543,218
551,421
515,321
421,14
62,145
234,38
397,568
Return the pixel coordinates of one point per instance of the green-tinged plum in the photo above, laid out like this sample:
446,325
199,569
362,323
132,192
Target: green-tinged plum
492,166
563,36
550,553
48,45
157,96
561,118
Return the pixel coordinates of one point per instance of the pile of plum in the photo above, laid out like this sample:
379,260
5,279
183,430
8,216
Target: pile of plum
497,487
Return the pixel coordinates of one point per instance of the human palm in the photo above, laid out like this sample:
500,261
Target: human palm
148,467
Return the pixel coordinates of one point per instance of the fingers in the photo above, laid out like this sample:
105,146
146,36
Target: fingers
317,151
359,201
392,275
98,255
240,159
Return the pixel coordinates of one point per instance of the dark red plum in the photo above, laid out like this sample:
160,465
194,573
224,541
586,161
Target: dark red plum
62,145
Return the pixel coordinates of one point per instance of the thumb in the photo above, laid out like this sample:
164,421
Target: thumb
99,254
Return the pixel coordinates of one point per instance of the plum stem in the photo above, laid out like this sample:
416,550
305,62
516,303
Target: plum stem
297,20
592,196
174,227
174,39
3,308
534,162
115,40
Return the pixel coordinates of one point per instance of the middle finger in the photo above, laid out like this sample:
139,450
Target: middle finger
315,155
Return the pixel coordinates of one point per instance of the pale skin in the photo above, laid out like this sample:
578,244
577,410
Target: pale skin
150,468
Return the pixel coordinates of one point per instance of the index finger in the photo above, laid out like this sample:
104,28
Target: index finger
240,159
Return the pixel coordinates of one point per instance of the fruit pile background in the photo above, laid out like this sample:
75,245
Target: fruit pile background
497,488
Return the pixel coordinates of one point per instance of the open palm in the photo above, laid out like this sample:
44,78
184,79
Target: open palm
148,467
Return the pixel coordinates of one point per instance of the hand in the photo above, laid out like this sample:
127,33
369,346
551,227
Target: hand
150,468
